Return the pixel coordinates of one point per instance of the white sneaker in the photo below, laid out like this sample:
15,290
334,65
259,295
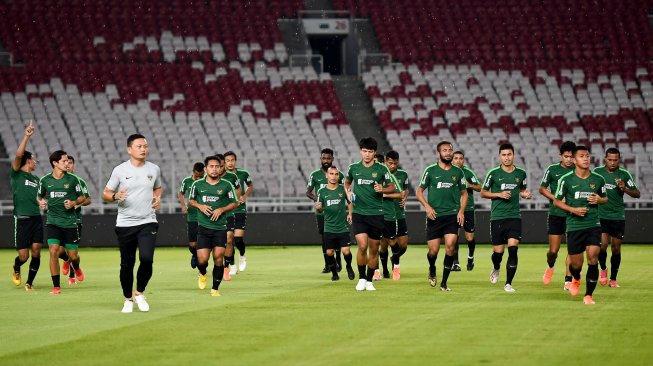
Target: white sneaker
360,286
508,288
369,286
494,276
242,263
142,304
233,270
128,306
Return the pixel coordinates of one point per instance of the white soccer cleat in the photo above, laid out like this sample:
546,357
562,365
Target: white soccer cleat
369,286
508,288
242,263
128,306
141,303
494,276
360,286
233,270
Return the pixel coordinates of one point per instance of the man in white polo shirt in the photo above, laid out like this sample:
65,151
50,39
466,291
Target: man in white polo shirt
136,186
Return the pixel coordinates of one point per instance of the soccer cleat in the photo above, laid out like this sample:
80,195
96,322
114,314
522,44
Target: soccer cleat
242,263
335,277
548,274
201,281
15,278
494,276
614,284
72,281
29,287
215,293
360,286
508,288
350,273
233,270
227,274
65,268
142,304
470,264
127,306
193,261
369,286
587,300
377,275
55,291
433,279
326,270
79,274
456,267
603,277
444,288
567,285
396,273
574,287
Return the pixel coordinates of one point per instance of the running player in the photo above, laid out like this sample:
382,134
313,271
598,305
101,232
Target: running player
230,268
240,213
557,218
579,193
370,181
213,196
332,203
613,214
61,192
189,211
316,181
28,224
473,184
445,209
504,185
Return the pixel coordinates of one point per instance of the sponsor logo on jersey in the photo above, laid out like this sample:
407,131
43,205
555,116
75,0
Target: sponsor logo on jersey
210,199
31,184
444,185
579,195
508,186
610,186
57,194
333,202
365,181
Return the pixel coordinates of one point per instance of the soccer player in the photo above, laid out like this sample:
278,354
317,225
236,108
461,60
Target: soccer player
613,217
28,224
504,185
189,211
332,203
445,209
473,184
557,218
213,196
370,181
61,192
136,186
579,193
240,213
316,181
230,268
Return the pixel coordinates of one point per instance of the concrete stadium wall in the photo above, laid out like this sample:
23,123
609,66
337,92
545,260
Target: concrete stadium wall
300,228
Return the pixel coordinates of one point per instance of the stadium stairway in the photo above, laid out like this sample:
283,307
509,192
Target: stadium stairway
292,36
358,108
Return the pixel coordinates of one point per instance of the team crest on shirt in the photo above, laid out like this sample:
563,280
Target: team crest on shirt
65,186
374,175
517,180
340,195
149,177
219,191
592,186
453,178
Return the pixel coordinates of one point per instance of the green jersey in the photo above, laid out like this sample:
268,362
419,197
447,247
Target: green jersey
445,187
471,178
498,180
614,209
575,191
334,205
216,196
400,179
245,182
318,180
233,179
84,187
56,191
367,201
24,187
550,180
184,189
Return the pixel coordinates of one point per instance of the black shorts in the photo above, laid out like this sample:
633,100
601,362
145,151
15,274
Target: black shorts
389,229
62,236
320,224
336,240
191,228
240,220
556,225
372,225
402,227
79,231
27,231
231,223
441,226
210,238
578,240
614,228
504,229
470,222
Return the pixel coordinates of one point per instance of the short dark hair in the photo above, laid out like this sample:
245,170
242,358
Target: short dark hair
332,167
612,150
56,156
580,148
507,146
379,157
230,153
71,158
133,137
26,156
458,152
198,167
368,143
218,157
443,143
392,155
567,146
327,151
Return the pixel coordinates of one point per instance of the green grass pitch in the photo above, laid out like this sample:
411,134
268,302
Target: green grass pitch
283,311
